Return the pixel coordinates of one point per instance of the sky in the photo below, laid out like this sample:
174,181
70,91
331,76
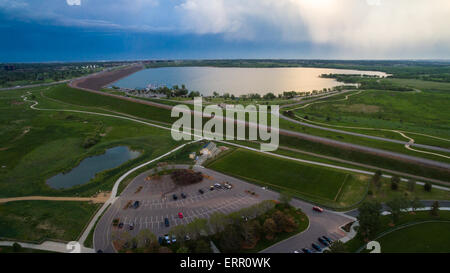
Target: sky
82,30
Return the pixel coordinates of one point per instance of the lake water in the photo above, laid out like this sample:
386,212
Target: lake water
90,166
238,81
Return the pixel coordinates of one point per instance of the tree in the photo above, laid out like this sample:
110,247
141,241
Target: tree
285,197
435,209
183,249
269,96
269,228
231,239
179,231
396,206
217,221
416,204
376,179
411,185
369,219
202,246
338,247
145,238
395,180
251,232
427,187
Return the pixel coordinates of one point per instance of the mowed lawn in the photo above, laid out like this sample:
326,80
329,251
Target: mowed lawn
40,220
284,175
421,238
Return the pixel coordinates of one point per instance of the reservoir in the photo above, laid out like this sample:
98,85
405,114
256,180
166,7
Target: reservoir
238,81
90,166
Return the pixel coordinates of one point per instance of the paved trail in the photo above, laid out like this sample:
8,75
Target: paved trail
407,145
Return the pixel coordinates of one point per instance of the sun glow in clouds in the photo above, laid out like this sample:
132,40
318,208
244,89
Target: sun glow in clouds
73,2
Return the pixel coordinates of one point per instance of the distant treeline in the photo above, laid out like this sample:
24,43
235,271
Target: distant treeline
35,73
367,82
438,71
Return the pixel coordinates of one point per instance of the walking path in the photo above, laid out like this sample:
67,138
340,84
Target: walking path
402,133
101,198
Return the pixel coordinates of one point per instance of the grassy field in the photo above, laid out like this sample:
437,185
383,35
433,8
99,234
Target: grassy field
425,112
405,219
365,158
40,220
419,238
322,185
32,143
385,193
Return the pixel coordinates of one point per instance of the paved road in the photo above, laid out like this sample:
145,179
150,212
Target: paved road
433,148
426,203
327,141
327,223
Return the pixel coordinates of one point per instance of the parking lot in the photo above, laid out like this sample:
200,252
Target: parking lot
156,202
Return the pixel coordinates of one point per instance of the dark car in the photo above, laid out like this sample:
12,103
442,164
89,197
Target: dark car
175,197
211,188
160,240
183,195
316,247
201,191
305,250
323,241
136,204
99,251
327,239
131,226
166,222
120,225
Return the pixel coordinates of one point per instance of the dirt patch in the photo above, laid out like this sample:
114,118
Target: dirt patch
99,198
98,81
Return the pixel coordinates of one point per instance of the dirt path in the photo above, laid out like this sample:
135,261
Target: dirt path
98,199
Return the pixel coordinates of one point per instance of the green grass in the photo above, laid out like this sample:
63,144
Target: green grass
317,184
385,193
423,112
405,219
30,158
421,238
36,221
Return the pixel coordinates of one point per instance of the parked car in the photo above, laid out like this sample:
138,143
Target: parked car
175,197
316,247
327,239
174,238
131,227
180,215
183,195
295,251
227,186
167,238
305,250
323,241
187,238
136,204
166,222
218,186
160,240
211,188
318,209
120,225
200,191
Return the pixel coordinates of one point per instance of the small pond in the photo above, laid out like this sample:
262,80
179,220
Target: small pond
90,166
